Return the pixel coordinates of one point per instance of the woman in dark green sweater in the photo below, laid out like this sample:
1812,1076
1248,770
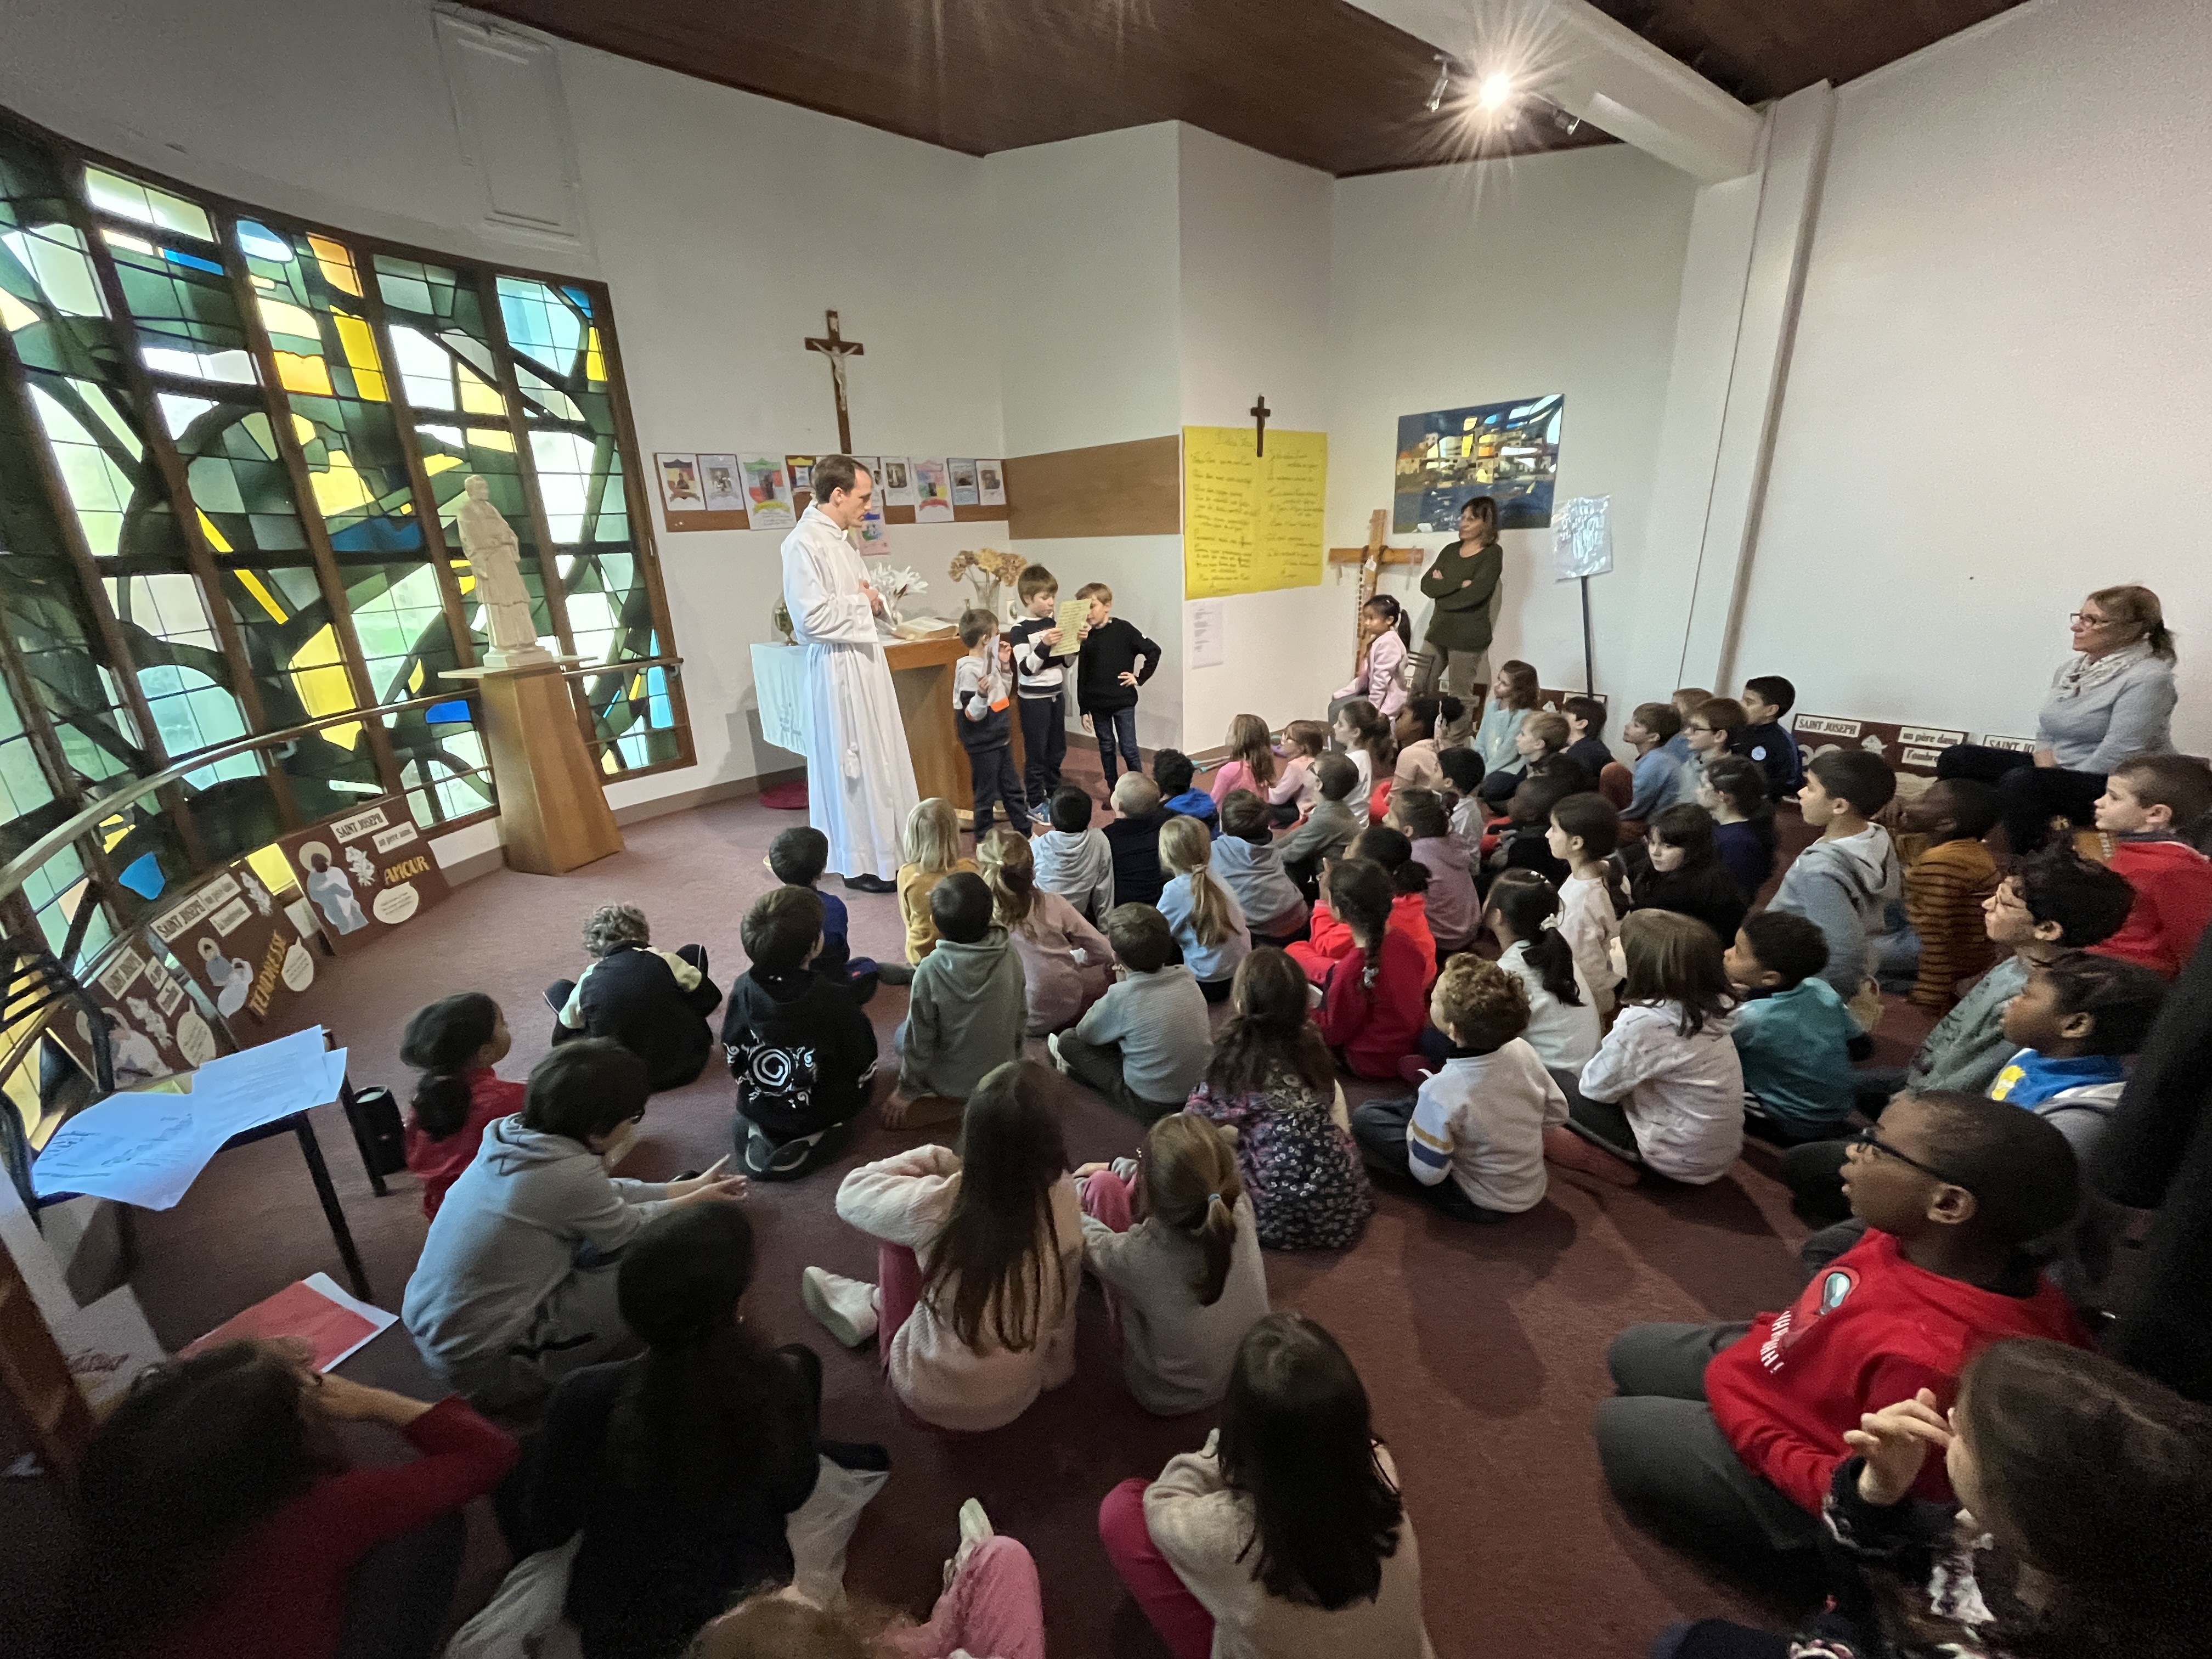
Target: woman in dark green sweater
1463,584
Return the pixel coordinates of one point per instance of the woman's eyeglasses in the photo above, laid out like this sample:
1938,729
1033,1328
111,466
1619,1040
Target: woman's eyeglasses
1873,1142
2083,619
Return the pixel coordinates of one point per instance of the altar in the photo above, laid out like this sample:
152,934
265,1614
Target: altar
921,675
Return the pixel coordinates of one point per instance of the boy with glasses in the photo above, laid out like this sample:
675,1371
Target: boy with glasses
1728,1436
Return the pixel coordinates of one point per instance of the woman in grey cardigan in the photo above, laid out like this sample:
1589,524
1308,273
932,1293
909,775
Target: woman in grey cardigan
2109,702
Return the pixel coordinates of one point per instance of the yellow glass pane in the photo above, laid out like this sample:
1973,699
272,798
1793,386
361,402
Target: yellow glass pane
274,868
346,737
485,437
220,543
434,464
477,398
359,341
415,680
340,488
336,261
595,361
285,318
113,830
15,315
298,374
320,650
253,584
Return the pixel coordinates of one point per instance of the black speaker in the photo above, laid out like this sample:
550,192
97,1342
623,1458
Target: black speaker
383,1132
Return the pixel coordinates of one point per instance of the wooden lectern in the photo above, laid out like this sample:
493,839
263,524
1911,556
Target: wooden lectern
553,812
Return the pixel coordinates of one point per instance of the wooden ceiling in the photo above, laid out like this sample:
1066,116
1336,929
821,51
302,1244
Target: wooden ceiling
1317,81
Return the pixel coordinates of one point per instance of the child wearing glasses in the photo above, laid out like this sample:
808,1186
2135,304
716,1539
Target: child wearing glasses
1726,1438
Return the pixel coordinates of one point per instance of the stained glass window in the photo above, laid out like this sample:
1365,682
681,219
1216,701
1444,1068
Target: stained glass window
231,448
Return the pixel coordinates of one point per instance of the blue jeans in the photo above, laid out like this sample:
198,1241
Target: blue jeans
1116,729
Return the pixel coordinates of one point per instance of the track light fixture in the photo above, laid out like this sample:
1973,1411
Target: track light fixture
1443,82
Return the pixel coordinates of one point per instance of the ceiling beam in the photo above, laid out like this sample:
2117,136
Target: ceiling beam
1572,54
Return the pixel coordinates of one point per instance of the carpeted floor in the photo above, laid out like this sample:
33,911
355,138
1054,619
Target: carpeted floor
1483,1347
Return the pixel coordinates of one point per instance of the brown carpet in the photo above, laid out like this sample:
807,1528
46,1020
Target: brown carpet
1483,1347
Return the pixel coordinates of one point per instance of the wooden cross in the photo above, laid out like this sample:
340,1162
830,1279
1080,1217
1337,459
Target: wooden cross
837,348
1259,412
1370,559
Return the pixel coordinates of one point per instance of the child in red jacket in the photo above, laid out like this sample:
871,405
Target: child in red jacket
2148,805
1727,1437
1328,940
1374,998
454,1043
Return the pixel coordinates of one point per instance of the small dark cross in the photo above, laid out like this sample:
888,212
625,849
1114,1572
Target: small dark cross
837,348
1259,412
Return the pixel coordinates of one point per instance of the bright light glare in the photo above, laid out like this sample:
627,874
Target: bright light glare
1497,91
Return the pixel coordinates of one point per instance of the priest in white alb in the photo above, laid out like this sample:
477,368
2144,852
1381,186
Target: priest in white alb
860,777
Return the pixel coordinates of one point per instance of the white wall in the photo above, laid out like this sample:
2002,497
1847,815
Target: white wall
1498,280
696,207
2003,379
1254,318
1084,237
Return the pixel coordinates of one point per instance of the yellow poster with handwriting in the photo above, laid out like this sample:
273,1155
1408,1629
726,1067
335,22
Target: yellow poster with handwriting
1251,523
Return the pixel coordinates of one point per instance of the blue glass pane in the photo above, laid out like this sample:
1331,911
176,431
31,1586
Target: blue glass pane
447,714
143,877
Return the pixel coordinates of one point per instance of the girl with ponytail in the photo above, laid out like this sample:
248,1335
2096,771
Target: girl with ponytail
1208,922
1375,999
1522,910
1183,1277
454,1043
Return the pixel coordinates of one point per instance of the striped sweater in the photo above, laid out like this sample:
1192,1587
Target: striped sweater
1944,893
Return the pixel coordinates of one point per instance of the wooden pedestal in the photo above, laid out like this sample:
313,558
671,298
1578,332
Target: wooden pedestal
553,812
922,674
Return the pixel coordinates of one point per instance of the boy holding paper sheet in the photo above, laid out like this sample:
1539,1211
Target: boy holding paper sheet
1042,640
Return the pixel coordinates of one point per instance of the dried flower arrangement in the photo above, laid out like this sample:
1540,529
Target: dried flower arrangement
991,572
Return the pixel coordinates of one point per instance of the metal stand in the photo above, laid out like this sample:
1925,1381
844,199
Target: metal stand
1590,656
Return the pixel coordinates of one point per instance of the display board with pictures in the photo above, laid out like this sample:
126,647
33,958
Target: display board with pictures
366,873
239,944
155,1027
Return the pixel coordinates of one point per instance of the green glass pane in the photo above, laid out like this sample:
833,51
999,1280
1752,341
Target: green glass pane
128,198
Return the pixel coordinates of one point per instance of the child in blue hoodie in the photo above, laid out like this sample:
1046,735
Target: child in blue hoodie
1793,1034
1845,882
1173,771
2078,1016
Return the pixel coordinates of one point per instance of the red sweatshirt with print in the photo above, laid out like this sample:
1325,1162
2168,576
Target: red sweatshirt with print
1871,1329
2174,903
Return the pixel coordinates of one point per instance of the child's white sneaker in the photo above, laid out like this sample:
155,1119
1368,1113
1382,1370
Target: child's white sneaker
974,1532
849,1308
1052,1048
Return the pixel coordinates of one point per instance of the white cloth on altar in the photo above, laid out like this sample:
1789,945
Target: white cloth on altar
860,777
779,685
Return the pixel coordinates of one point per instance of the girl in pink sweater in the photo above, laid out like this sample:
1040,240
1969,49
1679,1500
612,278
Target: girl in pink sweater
1381,678
1252,762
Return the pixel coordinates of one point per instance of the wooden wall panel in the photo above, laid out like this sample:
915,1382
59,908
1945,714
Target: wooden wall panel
1109,490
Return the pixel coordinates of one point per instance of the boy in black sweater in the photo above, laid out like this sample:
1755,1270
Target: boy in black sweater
801,1050
1040,686
1106,677
980,702
1767,700
654,1003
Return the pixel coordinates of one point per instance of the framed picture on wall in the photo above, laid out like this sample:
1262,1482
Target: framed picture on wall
679,483
991,483
768,492
722,484
895,483
963,482
801,469
932,492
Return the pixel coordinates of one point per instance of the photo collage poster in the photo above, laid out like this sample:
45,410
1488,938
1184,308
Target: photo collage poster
366,873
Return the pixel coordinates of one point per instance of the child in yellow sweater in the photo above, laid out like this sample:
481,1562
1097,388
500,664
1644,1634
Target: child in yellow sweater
931,842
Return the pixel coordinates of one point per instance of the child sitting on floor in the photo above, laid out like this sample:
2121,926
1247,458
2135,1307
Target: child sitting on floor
1386,635
1845,882
1328,829
1944,942
1665,1089
654,1003
516,1286
1470,813
1584,830
931,842
1328,940
1525,842
2150,804
1540,736
1677,866
1364,736
1271,1080
1066,963
1073,860
966,1013
1473,1137
2092,1507
979,1259
1730,1438
1285,1534
803,1052
1685,702
1144,1044
2078,1015
1252,762
1514,695
1179,798
798,856
1586,744
1134,837
1765,740
1295,793
1374,999
1422,724
1793,1034
1733,791
1657,780
1455,914
454,1043
1522,912
1245,858
1175,1246
1710,731
1208,922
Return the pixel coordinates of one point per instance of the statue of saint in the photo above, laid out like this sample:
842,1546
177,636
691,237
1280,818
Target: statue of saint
489,545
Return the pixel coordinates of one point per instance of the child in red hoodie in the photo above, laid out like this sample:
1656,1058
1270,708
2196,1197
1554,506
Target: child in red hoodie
2148,805
1728,1436
1375,999
1329,940
454,1043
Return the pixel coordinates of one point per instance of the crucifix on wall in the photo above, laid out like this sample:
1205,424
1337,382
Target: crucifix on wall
837,348
1259,412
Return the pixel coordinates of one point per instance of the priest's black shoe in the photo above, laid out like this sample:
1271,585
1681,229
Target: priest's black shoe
871,885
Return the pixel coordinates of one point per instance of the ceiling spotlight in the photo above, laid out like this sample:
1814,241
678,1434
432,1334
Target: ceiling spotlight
1444,83
1497,92
1564,121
